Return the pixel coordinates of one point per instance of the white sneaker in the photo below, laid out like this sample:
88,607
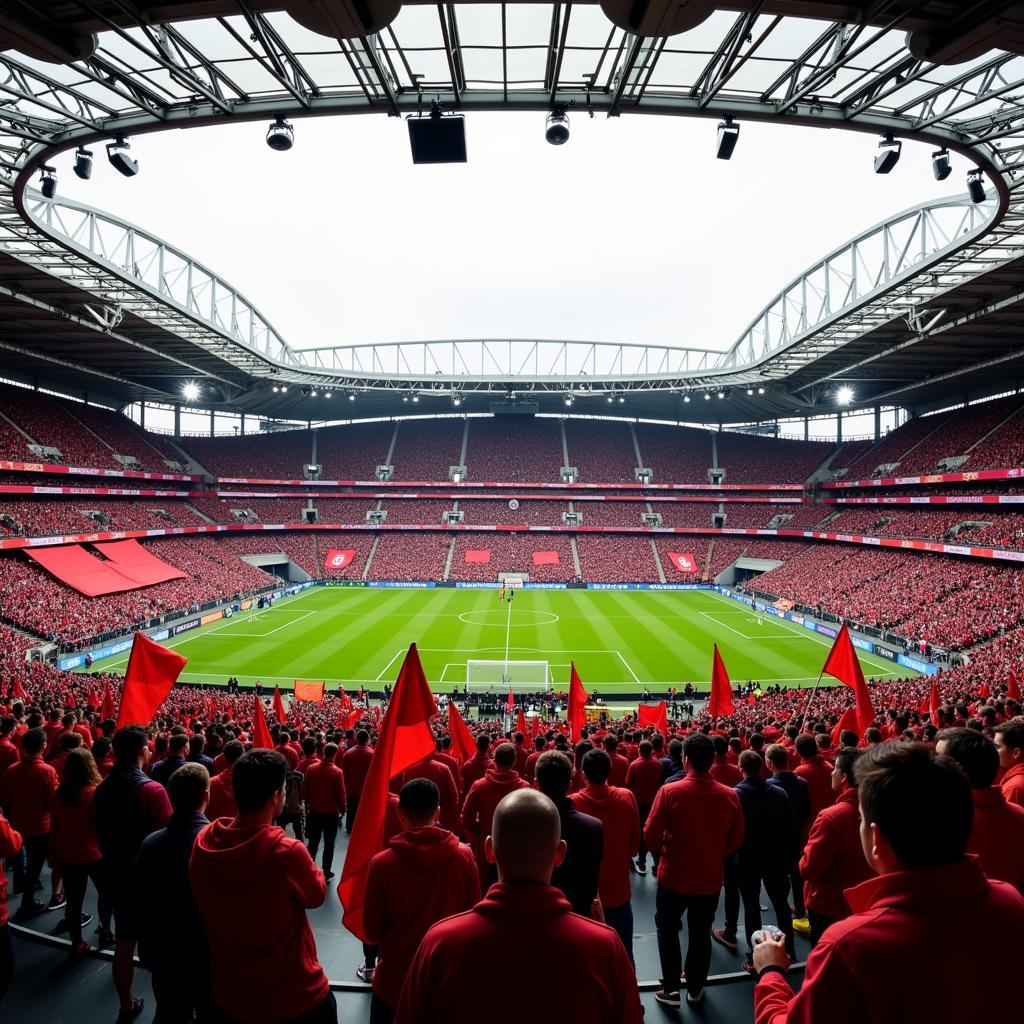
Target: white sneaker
365,973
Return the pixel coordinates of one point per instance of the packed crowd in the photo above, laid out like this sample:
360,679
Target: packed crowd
528,836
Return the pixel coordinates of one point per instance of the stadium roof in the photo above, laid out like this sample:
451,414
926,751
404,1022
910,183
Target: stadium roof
917,311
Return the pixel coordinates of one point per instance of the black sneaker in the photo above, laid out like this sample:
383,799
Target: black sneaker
32,906
723,938
328,875
57,903
126,1016
669,998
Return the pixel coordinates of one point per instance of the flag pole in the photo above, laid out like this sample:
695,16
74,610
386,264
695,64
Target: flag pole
810,700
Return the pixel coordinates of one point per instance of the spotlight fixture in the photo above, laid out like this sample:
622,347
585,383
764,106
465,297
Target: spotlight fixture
721,394
439,138
405,398
284,388
941,167
352,396
568,399
686,398
844,396
83,163
48,181
728,136
750,391
622,398
281,135
415,398
707,397
312,393
190,389
456,400
327,394
611,398
117,154
976,185
556,127
760,391
276,389
888,155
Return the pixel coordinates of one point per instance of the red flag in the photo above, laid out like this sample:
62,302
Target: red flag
535,728
576,715
279,705
1012,689
720,701
521,720
261,738
653,714
850,720
933,704
71,702
463,746
510,704
107,707
309,690
92,700
19,690
213,707
842,664
352,718
152,672
405,738
984,693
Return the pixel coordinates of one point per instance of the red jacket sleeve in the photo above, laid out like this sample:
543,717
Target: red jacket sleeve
830,993
471,814
654,832
306,879
416,1003
634,827
10,841
820,852
156,803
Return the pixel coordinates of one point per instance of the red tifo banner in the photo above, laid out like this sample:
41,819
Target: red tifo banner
309,690
480,556
126,568
545,558
683,562
339,559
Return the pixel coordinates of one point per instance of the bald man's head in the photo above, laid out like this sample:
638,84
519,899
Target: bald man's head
525,840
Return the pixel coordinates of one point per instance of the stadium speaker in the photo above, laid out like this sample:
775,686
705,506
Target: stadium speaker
438,139
941,166
888,155
83,163
728,136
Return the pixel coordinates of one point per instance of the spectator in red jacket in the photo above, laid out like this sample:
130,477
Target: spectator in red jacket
1009,737
723,770
323,789
222,795
833,860
8,751
75,847
997,836
477,766
882,962
483,797
620,764
424,876
263,956
445,756
816,772
643,779
616,809
27,793
355,763
693,825
10,847
539,746
577,968
439,774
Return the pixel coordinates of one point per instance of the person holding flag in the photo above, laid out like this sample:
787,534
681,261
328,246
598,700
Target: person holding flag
720,701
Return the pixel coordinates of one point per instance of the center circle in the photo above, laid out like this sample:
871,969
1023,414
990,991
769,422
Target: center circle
500,618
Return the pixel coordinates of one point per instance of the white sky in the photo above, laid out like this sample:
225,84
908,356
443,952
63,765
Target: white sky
633,231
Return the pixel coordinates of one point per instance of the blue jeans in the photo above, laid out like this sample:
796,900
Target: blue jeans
621,919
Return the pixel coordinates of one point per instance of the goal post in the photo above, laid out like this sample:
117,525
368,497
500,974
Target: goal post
517,676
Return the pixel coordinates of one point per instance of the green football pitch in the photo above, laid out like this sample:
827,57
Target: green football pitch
620,640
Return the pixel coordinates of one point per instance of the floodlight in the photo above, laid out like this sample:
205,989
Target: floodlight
312,393
686,398
117,154
976,185
456,400
888,155
351,396
750,391
721,394
281,135
415,398
83,163
844,396
327,394
622,398
568,399
556,127
284,388
707,397
276,389
48,182
190,390
405,398
760,391
941,166
611,398
728,136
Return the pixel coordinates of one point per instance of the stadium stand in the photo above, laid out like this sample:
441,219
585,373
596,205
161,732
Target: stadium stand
282,455
512,553
617,558
612,513
602,452
415,513
425,449
353,452
675,454
537,443
895,446
747,458
529,513
152,451
410,557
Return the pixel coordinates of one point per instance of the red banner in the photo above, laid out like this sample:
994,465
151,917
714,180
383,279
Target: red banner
306,689
337,559
480,556
683,562
545,558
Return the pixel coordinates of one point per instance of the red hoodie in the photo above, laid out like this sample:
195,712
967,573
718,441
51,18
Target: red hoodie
10,844
817,773
1012,785
998,837
355,763
478,812
644,778
572,968
27,792
833,859
262,954
616,809
222,796
439,774
425,876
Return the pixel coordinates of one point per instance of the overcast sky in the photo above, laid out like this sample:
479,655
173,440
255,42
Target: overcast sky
633,231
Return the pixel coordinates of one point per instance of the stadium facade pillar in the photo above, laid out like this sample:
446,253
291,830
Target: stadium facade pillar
839,428
142,415
241,424
878,422
177,420
807,428
212,424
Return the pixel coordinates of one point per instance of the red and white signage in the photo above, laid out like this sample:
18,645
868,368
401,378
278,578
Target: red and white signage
683,562
337,559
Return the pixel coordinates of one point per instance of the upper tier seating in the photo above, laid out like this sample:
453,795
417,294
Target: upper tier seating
612,513
276,456
416,513
353,452
47,421
894,446
749,459
603,452
425,449
677,455
529,513
152,451
1002,449
518,448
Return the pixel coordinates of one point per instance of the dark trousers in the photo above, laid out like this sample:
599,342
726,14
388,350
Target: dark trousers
6,960
776,885
325,1013
76,879
731,886
322,826
380,1012
819,923
351,806
370,954
27,872
796,885
295,820
668,920
641,856
621,919
180,995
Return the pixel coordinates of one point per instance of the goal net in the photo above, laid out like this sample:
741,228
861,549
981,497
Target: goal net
519,676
